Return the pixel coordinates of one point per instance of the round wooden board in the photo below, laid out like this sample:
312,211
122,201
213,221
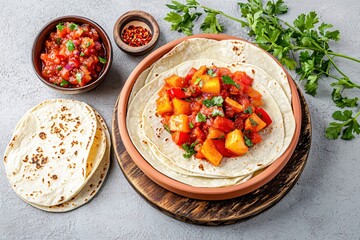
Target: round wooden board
216,212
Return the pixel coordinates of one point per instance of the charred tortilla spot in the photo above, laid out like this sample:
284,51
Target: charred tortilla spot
54,177
201,167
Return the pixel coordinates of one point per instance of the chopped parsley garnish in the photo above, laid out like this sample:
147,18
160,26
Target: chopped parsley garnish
64,83
217,112
102,60
166,127
82,54
60,26
58,41
248,110
215,101
78,77
59,68
73,26
191,125
211,73
70,45
197,81
189,149
253,122
228,80
200,117
87,44
248,142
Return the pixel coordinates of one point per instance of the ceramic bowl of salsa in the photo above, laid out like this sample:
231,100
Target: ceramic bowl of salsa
72,54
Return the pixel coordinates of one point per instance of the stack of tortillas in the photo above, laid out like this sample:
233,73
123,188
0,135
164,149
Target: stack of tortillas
59,155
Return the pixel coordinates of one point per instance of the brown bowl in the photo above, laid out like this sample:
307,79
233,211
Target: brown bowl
136,18
201,192
38,48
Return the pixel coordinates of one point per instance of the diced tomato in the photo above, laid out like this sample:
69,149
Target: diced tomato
242,77
220,146
176,93
264,116
222,71
224,124
255,137
199,134
199,155
180,138
189,75
239,123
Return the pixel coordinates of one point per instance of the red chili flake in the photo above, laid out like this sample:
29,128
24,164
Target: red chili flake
136,36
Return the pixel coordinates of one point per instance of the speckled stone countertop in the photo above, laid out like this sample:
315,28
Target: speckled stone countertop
324,204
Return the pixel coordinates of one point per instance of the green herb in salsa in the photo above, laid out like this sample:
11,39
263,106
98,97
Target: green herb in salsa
102,60
70,45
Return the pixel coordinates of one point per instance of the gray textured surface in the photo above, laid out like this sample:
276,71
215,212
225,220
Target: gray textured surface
322,205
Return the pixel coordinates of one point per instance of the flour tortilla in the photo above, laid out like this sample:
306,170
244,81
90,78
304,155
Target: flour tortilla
259,156
227,51
45,161
95,182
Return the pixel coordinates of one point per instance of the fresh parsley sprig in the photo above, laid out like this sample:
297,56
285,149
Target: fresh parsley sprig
183,23
305,35
347,127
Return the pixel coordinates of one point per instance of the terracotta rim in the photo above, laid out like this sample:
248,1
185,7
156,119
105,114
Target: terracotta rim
45,31
180,188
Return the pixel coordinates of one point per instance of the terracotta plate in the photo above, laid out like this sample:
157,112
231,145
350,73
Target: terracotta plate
202,193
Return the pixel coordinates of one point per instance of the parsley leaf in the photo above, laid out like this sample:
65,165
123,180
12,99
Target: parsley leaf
200,117
248,110
189,149
182,23
248,142
191,125
64,83
215,101
166,127
70,45
211,73
78,77
217,112
211,23
197,81
59,68
82,54
253,122
228,80
60,26
102,60
73,26
347,126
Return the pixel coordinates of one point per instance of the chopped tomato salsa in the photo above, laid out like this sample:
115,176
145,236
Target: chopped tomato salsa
212,112
73,55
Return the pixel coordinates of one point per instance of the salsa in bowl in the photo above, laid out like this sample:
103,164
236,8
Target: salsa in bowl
72,54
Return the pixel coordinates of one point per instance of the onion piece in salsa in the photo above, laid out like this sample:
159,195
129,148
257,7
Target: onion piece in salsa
73,55
212,113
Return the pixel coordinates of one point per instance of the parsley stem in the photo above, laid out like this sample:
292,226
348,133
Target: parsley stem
344,56
224,14
335,66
